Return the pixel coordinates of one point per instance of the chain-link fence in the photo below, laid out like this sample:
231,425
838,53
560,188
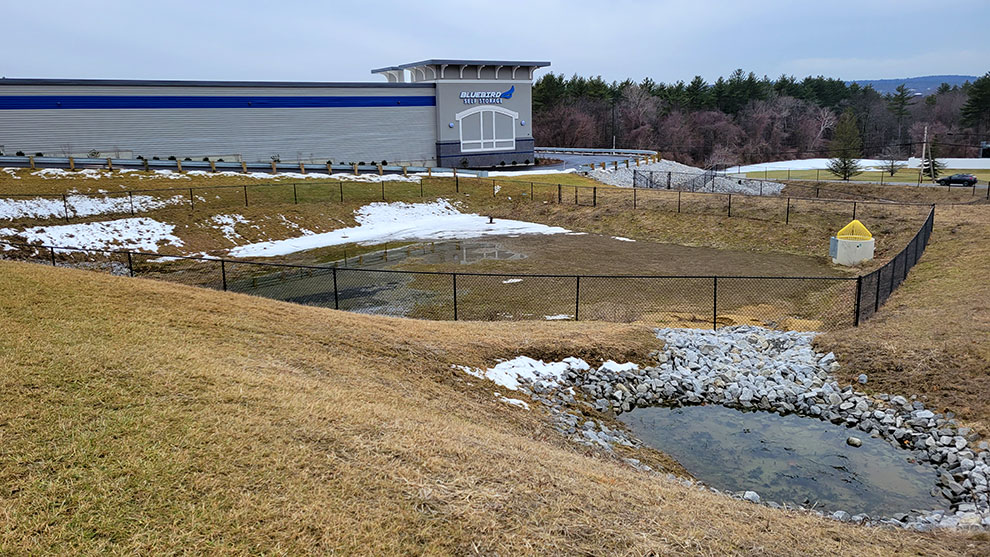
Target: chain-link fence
873,289
819,303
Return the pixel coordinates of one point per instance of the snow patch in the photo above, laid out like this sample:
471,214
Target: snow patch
558,317
512,281
381,222
225,224
137,233
82,206
621,239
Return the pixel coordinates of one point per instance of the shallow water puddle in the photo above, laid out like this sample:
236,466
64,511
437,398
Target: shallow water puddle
788,459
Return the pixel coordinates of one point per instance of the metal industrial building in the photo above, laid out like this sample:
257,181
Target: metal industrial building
449,113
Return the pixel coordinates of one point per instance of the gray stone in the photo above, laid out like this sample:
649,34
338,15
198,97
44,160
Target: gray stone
751,496
842,516
854,442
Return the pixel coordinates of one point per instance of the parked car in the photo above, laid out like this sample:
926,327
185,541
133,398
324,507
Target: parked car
967,180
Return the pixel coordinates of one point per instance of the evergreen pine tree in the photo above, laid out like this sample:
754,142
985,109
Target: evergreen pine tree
976,111
845,147
898,105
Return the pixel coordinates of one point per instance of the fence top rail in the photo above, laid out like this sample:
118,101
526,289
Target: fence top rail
400,271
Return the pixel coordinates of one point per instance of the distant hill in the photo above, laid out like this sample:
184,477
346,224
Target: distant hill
924,85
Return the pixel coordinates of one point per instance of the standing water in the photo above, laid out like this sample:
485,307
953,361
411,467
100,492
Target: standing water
788,459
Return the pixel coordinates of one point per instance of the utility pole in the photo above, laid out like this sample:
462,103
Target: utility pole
921,167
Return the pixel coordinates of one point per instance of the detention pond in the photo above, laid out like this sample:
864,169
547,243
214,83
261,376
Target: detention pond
491,282
788,459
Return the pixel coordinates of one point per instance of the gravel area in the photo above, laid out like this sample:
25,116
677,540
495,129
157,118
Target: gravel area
684,177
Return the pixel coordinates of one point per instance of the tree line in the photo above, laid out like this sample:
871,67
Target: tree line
743,119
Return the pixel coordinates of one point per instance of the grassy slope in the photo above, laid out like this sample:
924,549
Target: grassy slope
138,416
933,335
908,175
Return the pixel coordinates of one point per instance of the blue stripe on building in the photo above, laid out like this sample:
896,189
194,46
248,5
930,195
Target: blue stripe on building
104,102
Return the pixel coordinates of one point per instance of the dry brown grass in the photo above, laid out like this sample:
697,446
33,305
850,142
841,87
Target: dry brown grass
933,335
144,417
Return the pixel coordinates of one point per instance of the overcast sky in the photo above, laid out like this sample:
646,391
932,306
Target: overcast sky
343,40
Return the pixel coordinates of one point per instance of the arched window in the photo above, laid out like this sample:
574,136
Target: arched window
487,128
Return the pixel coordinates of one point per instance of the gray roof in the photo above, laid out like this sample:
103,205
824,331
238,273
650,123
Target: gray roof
439,62
180,83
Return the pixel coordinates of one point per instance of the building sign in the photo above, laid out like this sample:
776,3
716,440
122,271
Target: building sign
486,97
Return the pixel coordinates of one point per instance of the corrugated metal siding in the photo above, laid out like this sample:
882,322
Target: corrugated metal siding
397,134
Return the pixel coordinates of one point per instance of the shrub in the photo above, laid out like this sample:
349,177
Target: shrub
19,153
172,158
384,163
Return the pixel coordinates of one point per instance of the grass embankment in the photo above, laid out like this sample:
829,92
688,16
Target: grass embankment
933,335
904,175
144,417
905,194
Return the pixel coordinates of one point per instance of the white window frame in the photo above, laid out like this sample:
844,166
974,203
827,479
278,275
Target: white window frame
484,144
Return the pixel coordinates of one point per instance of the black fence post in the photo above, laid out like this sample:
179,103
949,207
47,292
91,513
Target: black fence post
577,296
457,183
454,275
876,303
421,188
678,201
787,215
668,180
336,296
192,203
493,188
383,189
575,195
761,188
817,191
341,184
245,196
559,193
532,191
730,204
634,197
130,197
223,274
53,255
65,205
295,197
714,303
859,294
130,264
594,196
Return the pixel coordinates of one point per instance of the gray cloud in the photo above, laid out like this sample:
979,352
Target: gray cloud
342,40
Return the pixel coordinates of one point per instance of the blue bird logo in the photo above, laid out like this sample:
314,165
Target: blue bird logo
508,94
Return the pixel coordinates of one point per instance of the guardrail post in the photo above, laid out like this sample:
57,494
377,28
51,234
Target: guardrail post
178,164
72,164
274,167
213,166
454,276
145,161
859,294
355,169
714,303
31,162
244,167
577,296
110,167
336,296
65,205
